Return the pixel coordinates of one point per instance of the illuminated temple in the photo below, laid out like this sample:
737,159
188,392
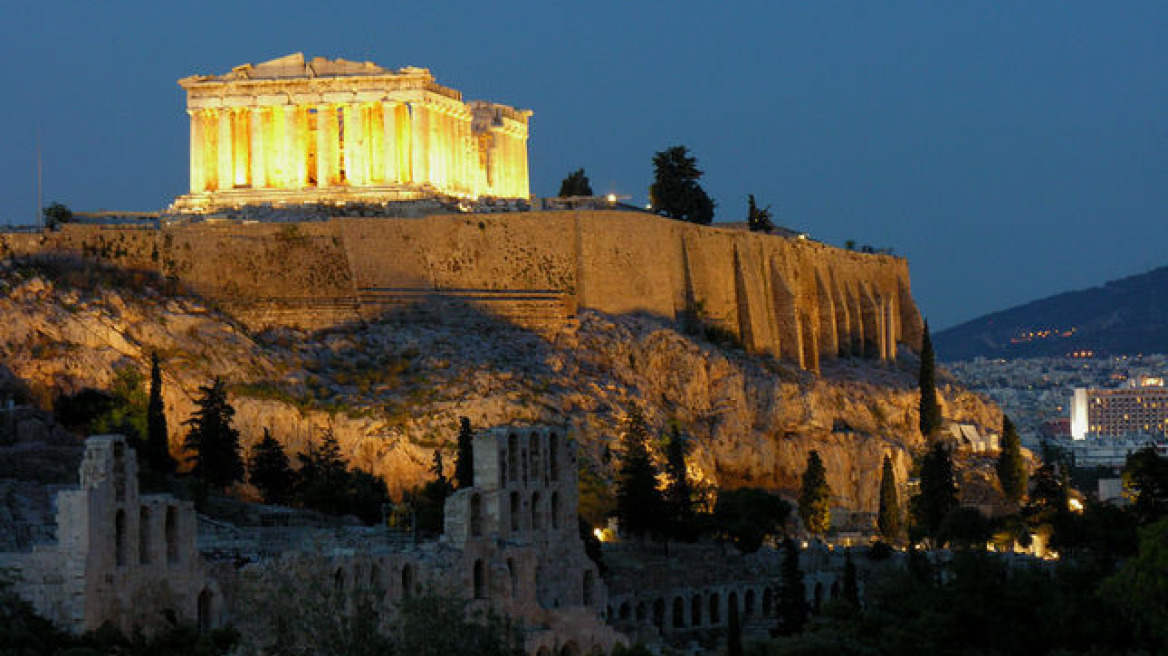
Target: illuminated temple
291,131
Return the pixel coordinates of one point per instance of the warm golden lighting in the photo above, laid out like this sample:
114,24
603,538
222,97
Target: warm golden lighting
611,198
1075,505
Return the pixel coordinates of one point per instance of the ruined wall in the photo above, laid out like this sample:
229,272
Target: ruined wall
796,299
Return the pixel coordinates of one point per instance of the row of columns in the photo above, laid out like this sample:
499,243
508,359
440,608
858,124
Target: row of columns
354,144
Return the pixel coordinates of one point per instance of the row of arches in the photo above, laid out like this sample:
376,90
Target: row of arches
147,537
538,516
534,460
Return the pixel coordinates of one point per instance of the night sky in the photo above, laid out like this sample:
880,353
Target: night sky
1009,149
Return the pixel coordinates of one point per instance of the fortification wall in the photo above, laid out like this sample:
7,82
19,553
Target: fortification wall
796,299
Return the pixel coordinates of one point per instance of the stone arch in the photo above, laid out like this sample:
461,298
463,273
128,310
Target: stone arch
480,579
554,511
205,607
731,602
589,587
476,515
144,535
120,537
514,511
678,613
536,522
695,615
641,612
171,531
623,612
554,457
659,614
533,449
407,581
513,576
119,471
748,603
513,456
715,609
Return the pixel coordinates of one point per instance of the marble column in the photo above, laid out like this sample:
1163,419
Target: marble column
419,144
389,142
354,143
198,181
259,178
224,150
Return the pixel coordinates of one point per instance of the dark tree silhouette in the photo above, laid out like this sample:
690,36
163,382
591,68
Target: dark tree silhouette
929,409
639,504
888,519
576,184
464,460
270,471
675,191
679,493
157,445
851,589
733,631
758,220
748,515
792,594
1011,465
815,496
1145,482
938,495
212,440
322,479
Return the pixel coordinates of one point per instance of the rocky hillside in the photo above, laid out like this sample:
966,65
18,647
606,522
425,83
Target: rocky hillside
392,391
1122,317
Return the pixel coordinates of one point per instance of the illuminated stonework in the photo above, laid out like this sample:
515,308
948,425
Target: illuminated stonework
292,131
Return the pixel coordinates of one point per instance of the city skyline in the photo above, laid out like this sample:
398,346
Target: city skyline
1008,152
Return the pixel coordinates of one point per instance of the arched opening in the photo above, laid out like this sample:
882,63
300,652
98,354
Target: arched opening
589,587
513,574
749,601
172,552
407,581
144,536
480,580
536,524
768,602
818,596
835,588
119,471
570,649
624,612
476,516
715,609
695,608
339,587
203,613
659,614
555,510
678,613
641,613
120,538
533,448
554,457
732,601
514,512
513,456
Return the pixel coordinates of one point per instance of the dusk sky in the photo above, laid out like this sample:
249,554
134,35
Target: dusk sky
1010,150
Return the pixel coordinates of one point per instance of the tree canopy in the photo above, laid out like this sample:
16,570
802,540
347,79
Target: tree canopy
464,460
815,496
758,219
1145,483
888,518
938,492
212,441
930,411
270,471
1011,465
157,447
639,504
679,492
749,515
675,191
576,184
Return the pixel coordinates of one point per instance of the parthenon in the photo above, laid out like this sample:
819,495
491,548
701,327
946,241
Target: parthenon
291,131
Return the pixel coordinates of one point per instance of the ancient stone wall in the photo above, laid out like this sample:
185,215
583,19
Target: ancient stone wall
796,299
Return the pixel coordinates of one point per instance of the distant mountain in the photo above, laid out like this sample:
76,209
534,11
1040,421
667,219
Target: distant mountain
1125,316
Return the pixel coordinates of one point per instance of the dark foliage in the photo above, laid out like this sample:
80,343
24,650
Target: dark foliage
271,472
680,508
157,446
748,515
56,213
792,593
675,191
464,460
1011,466
888,519
938,495
758,220
930,411
1145,481
815,496
212,440
640,506
576,184
438,626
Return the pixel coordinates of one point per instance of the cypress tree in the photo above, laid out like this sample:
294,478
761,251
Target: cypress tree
464,460
733,631
212,440
157,444
576,184
792,594
270,471
938,494
679,496
888,520
323,477
639,504
1011,466
929,409
815,496
758,220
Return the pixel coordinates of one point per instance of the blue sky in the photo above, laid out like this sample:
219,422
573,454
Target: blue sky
1010,150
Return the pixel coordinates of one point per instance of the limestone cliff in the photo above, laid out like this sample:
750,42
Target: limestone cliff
392,389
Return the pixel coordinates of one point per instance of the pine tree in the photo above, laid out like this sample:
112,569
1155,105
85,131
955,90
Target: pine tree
758,220
675,190
464,460
212,440
815,496
576,184
888,519
322,480
1011,466
157,447
270,471
639,504
930,411
679,493
938,495
733,631
792,594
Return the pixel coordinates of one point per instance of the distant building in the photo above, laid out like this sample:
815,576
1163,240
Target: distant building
966,437
1141,408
